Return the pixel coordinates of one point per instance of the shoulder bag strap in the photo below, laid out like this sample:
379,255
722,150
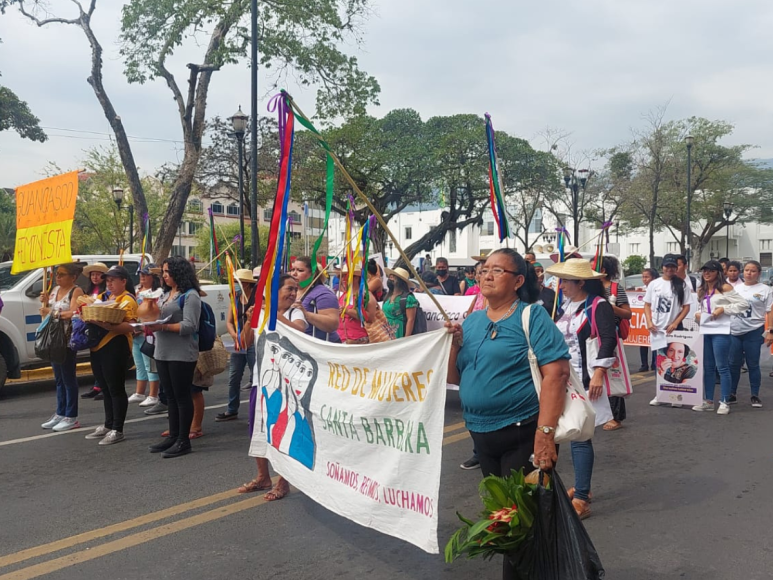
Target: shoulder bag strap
594,330
525,318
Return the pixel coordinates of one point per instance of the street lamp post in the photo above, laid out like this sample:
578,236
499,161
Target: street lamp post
575,181
688,141
728,207
239,124
118,198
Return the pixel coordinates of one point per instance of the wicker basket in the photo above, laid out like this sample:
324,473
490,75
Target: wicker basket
213,362
103,314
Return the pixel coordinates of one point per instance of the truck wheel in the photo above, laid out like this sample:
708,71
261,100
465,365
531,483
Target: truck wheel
3,372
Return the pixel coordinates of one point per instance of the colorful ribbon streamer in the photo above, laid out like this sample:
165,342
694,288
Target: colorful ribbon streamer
146,229
364,295
234,312
598,259
495,184
213,241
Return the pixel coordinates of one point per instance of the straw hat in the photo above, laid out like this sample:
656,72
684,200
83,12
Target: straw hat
481,258
244,276
403,274
345,271
574,269
95,267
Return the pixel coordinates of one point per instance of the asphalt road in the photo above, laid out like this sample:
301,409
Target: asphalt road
677,494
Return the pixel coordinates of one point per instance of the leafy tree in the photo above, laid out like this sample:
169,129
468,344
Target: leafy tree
7,224
634,264
15,114
302,40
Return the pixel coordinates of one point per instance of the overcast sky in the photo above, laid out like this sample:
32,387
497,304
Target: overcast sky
592,68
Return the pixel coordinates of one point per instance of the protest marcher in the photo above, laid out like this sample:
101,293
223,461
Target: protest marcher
621,306
427,263
149,280
375,281
586,314
681,271
244,358
317,303
547,296
350,328
289,314
530,257
666,302
646,354
747,331
449,284
96,274
468,281
717,303
177,351
431,282
112,357
734,269
480,299
489,362
400,305
62,305
724,263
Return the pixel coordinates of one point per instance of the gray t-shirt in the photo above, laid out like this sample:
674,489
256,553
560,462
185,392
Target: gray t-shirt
182,346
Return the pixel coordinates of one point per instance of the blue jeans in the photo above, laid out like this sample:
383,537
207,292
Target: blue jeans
716,355
142,361
644,352
747,346
236,371
582,458
66,386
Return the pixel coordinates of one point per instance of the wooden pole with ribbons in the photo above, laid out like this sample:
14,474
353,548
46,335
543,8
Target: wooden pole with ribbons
367,202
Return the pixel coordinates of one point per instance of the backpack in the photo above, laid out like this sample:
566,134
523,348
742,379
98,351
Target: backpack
207,325
420,323
624,327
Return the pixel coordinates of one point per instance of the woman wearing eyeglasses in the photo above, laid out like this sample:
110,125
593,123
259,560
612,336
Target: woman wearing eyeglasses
489,362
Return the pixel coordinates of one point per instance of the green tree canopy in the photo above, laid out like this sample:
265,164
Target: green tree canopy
16,115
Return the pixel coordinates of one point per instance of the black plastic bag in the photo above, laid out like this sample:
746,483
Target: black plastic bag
94,335
51,340
558,548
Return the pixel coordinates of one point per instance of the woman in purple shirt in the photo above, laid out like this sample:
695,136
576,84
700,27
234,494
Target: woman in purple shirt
317,302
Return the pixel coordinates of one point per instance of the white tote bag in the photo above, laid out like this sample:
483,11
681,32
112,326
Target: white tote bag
617,380
578,420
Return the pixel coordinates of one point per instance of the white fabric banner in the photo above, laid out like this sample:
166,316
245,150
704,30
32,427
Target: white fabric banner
680,369
357,428
455,306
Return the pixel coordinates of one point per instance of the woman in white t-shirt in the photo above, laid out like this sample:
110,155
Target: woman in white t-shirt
666,302
747,330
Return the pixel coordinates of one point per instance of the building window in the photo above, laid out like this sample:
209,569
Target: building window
408,233
268,214
766,260
217,208
195,206
766,244
233,209
489,228
178,251
633,249
295,217
672,247
535,226
193,227
452,241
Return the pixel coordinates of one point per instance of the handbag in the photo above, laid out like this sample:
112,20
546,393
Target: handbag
617,380
148,348
379,330
578,420
214,361
79,339
51,339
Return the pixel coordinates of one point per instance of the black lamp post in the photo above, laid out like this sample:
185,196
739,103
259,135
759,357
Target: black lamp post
688,141
118,198
239,124
728,207
575,181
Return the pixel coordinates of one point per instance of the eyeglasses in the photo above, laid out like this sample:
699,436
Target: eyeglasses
62,274
496,272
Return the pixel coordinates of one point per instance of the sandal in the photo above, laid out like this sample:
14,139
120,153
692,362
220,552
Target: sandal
165,433
253,486
612,425
570,493
195,434
278,492
582,508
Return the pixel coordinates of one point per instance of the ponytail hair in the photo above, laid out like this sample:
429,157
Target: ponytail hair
528,293
677,287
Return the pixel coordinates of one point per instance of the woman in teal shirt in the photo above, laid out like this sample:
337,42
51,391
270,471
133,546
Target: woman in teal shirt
489,362
399,318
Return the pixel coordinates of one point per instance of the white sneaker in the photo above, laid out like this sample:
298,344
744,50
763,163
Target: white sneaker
724,409
52,422
136,398
67,423
654,402
112,437
147,401
705,406
98,433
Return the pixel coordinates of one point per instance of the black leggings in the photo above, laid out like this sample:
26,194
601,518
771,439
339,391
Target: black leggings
176,379
110,364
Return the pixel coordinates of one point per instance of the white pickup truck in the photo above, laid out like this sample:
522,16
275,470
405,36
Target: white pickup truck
20,316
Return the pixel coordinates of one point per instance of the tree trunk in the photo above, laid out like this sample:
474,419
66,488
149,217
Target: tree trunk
436,235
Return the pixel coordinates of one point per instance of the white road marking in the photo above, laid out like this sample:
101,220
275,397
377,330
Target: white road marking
83,430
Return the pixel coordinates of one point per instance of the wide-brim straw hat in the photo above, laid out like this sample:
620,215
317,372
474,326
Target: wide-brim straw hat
574,269
403,274
95,267
244,276
345,271
568,253
481,258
